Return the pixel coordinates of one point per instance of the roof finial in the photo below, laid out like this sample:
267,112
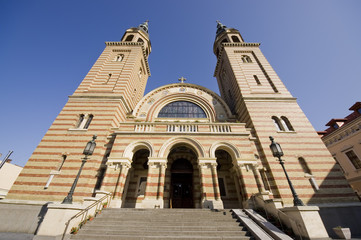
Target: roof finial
144,26
220,27
182,79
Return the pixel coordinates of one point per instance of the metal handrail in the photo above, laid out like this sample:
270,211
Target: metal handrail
84,212
280,213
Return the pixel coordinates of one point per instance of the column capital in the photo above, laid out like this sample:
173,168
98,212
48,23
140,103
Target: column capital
206,161
243,163
152,161
119,162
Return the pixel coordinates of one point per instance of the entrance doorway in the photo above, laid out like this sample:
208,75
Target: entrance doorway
182,184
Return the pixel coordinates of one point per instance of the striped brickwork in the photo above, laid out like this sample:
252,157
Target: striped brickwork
205,174
63,139
255,103
108,93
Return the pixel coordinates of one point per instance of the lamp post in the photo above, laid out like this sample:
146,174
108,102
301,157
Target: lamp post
88,150
277,152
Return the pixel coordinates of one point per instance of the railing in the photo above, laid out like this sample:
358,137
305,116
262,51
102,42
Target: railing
84,213
220,128
282,218
144,127
182,128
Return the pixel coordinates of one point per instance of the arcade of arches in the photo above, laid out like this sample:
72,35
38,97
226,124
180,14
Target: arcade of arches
183,180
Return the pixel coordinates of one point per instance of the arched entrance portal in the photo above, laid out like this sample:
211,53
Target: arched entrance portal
182,183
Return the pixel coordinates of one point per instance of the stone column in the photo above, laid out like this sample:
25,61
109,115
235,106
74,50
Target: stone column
209,183
202,182
153,197
162,168
217,194
247,181
114,179
257,178
235,178
118,193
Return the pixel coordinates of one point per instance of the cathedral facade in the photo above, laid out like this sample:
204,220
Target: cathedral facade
182,145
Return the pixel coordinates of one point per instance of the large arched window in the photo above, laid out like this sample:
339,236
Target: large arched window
182,109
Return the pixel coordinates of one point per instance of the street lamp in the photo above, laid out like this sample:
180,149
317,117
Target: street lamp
88,150
277,152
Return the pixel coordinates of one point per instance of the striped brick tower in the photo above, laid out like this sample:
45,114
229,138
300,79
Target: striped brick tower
258,97
110,90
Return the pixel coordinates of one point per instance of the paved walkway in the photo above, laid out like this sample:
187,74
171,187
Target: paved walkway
15,236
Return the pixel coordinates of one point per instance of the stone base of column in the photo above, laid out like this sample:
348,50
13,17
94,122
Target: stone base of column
152,203
306,222
212,204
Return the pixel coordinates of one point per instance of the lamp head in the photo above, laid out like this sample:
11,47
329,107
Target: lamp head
275,148
90,146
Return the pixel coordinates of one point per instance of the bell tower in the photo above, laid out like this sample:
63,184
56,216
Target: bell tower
258,97
109,92
122,70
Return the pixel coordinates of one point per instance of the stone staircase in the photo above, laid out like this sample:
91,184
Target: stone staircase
161,224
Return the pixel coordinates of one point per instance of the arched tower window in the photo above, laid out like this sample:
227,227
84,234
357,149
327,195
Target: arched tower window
246,59
90,118
129,38
81,119
235,39
224,40
140,40
119,58
286,124
277,123
308,173
304,165
182,109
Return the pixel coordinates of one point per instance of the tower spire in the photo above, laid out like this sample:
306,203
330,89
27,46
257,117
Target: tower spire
144,26
220,27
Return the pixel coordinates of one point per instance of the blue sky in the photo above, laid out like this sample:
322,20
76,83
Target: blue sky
47,47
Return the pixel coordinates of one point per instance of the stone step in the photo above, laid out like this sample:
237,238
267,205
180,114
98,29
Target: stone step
156,237
163,232
162,224
169,227
209,223
170,218
202,214
165,209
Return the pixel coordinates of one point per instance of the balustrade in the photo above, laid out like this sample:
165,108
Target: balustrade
182,127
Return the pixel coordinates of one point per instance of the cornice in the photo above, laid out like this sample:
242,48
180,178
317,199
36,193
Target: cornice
350,129
132,44
242,44
257,99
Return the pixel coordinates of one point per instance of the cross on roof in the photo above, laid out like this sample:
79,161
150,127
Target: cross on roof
182,79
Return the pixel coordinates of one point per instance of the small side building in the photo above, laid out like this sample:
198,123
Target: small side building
343,140
8,174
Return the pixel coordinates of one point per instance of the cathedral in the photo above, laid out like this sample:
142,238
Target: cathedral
182,145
